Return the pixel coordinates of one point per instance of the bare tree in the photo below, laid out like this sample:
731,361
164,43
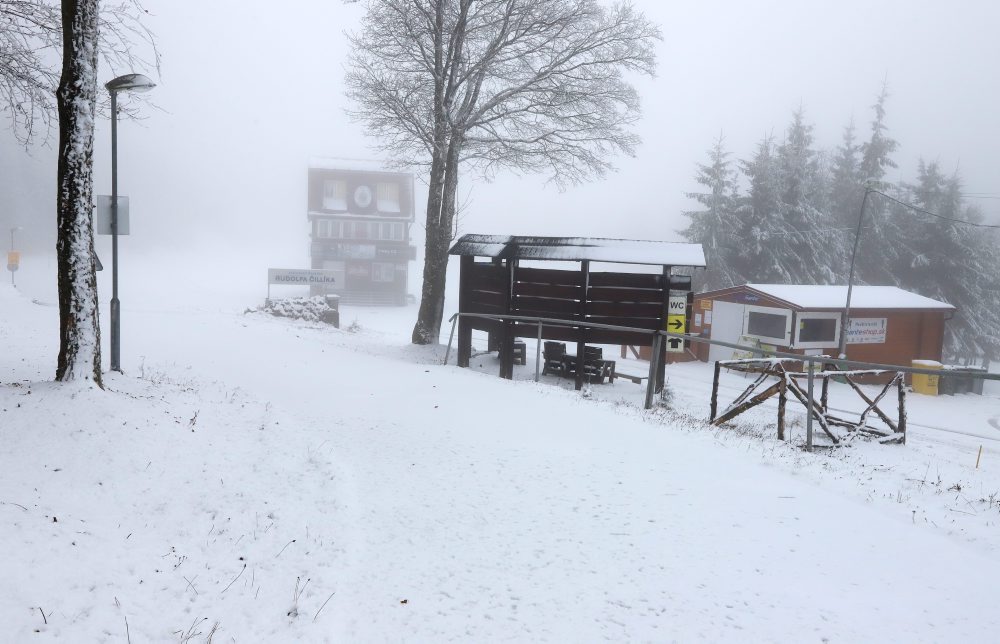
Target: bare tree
534,85
30,42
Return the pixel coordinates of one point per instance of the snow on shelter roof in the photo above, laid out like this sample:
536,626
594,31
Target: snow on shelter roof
816,296
578,249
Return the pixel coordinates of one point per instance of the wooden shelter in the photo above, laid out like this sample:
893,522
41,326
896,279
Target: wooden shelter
501,287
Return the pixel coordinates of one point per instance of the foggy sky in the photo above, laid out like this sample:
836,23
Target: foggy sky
250,90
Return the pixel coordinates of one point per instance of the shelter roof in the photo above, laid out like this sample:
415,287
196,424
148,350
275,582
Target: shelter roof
818,296
578,249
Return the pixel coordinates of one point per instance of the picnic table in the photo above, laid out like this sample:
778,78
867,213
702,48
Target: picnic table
595,368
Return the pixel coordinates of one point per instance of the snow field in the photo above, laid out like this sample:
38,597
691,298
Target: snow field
412,501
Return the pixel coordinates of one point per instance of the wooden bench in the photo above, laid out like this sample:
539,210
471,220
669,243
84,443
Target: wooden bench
595,368
636,379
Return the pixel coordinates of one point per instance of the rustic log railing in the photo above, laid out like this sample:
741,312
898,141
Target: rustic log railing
786,381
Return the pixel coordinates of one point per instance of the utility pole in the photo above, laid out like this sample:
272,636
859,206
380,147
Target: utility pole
845,318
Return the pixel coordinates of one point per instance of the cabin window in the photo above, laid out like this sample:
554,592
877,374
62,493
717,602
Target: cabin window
335,194
768,324
387,197
817,330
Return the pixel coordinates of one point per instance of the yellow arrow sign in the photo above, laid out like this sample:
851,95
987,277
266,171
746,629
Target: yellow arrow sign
677,324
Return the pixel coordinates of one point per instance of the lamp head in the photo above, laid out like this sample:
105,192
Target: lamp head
131,83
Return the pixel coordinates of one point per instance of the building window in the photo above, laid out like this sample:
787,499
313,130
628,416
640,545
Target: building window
327,229
383,272
398,232
387,199
356,229
768,324
817,330
335,194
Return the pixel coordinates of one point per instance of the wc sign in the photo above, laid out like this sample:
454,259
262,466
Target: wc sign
676,322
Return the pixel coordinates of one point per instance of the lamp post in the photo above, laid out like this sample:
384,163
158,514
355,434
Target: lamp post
12,231
128,83
845,318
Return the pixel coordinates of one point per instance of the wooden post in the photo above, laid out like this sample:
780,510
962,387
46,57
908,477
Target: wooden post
538,353
715,392
507,341
661,372
467,265
581,343
901,424
782,398
810,410
824,400
651,383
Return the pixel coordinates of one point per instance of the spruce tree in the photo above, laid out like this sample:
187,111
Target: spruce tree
759,215
714,225
878,251
804,244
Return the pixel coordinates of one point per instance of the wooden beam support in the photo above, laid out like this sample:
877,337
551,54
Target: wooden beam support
464,324
581,343
750,404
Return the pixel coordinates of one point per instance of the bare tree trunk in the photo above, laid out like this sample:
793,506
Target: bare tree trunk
423,330
79,328
439,235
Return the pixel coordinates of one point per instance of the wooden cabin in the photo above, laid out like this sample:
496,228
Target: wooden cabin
887,324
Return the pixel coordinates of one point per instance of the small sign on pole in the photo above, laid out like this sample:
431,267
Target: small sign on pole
102,213
676,322
13,260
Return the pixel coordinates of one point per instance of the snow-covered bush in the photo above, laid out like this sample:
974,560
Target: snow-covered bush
311,309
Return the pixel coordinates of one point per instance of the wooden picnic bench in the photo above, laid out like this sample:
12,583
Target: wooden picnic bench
595,368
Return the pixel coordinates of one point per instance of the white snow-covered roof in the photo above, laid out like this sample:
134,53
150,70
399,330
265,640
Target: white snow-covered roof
816,296
364,165
617,251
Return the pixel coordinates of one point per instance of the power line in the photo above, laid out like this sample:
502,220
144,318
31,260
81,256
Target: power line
934,214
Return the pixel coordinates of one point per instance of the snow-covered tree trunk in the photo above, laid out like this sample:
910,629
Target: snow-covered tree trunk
79,331
440,230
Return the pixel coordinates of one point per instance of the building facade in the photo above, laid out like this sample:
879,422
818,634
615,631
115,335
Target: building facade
887,325
360,229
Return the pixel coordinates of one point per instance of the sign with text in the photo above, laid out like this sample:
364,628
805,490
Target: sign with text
676,321
301,277
102,213
866,330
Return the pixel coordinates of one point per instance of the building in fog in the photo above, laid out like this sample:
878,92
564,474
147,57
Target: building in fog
360,229
888,325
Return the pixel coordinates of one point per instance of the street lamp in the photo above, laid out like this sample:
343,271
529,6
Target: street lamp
12,230
126,83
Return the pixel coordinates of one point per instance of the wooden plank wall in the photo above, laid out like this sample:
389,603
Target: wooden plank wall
485,289
625,299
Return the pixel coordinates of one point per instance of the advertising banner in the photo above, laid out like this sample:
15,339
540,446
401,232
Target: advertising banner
866,331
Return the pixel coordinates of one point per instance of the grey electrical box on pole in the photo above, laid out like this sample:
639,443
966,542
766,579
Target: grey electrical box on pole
102,214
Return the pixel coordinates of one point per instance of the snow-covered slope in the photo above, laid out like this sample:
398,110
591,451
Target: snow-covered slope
282,481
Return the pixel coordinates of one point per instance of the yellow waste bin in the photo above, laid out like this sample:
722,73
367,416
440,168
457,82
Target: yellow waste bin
926,383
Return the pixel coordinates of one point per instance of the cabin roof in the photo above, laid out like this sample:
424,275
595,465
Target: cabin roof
814,297
578,249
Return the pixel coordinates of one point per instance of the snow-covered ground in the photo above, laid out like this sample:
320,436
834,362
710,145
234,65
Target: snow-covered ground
285,481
